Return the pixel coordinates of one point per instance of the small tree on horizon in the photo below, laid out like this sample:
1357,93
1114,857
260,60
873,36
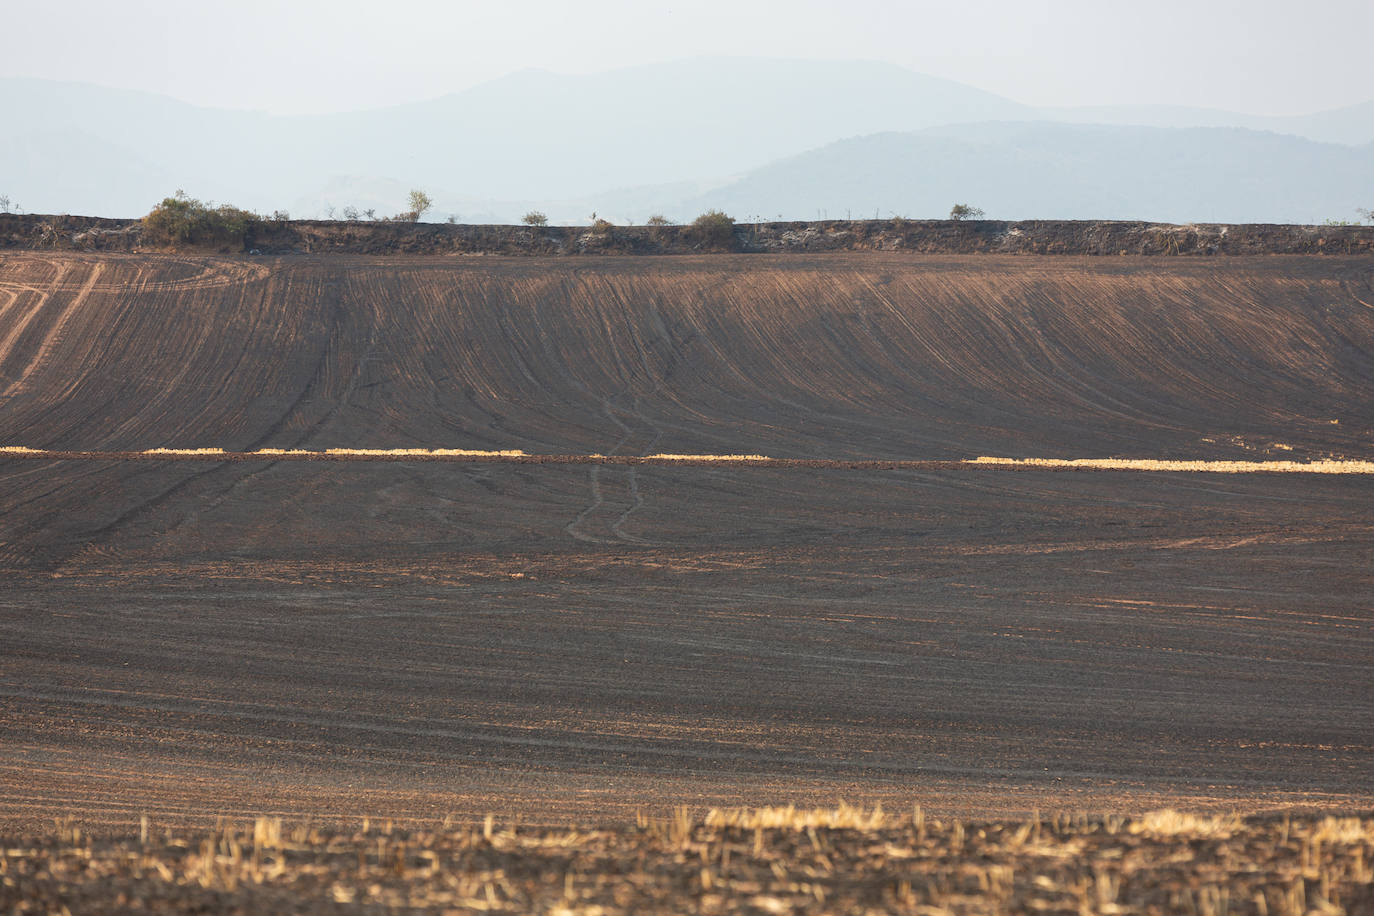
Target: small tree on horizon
964,211
419,203
534,218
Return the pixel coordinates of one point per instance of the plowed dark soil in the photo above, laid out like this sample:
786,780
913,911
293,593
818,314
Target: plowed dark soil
410,639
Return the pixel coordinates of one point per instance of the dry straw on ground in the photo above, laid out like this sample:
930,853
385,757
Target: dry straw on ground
420,452
1327,466
768,860
1319,466
671,457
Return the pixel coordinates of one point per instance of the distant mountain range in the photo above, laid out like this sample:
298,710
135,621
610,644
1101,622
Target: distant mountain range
758,138
1039,170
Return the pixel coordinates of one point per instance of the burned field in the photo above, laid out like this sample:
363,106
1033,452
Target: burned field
192,639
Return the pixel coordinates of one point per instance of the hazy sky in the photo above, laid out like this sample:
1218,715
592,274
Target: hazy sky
1254,56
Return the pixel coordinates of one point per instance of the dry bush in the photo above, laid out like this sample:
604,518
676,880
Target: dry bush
182,221
714,230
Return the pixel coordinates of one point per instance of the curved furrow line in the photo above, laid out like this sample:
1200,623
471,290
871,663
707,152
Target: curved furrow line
177,349
57,327
210,273
21,323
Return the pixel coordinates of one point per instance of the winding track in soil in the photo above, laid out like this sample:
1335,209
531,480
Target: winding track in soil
245,632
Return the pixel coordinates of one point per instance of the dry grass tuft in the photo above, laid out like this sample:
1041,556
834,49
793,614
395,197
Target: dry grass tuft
267,833
1344,830
1170,823
842,817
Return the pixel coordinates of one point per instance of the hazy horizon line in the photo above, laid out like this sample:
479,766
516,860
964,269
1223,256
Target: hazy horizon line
566,74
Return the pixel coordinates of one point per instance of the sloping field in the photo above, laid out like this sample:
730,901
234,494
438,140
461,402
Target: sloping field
187,636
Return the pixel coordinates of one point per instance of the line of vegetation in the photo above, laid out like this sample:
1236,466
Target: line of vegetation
182,221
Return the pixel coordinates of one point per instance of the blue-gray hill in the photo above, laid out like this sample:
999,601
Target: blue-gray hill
1063,171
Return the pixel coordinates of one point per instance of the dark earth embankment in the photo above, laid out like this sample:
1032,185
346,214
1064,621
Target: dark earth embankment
1072,237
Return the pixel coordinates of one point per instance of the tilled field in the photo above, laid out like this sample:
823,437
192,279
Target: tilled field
767,861
193,635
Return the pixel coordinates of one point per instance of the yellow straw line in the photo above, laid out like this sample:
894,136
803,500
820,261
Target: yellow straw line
1320,466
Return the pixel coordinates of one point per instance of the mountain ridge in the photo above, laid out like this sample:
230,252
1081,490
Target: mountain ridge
1044,170
531,139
